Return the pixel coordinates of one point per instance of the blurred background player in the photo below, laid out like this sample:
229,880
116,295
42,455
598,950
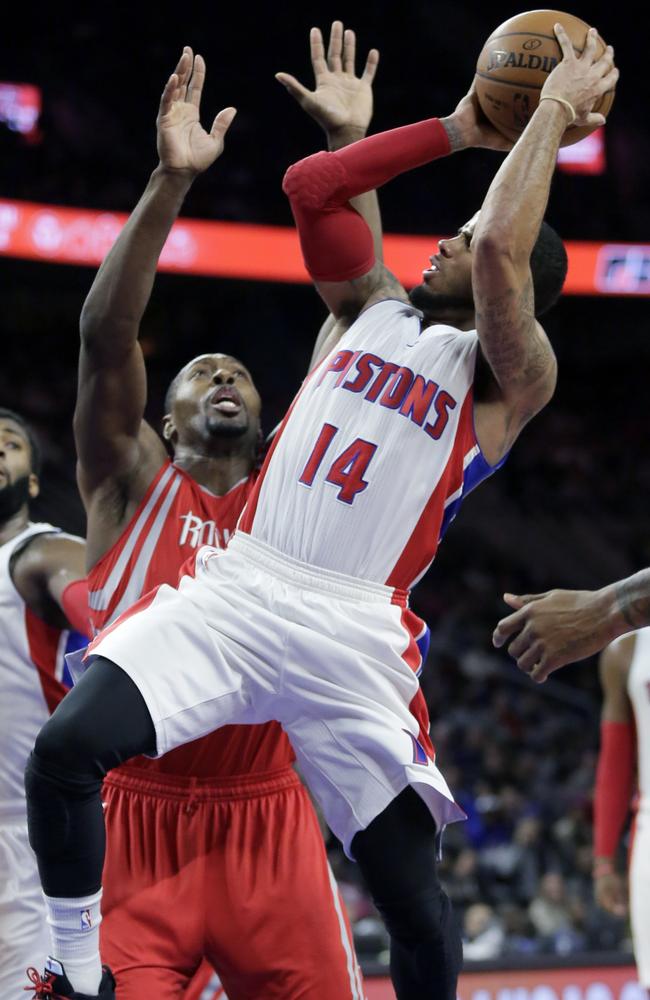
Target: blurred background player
42,595
214,850
624,755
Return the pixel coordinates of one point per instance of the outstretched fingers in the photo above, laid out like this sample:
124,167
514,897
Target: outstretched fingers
222,123
184,70
195,87
169,94
371,66
589,53
295,87
349,51
564,42
317,47
335,46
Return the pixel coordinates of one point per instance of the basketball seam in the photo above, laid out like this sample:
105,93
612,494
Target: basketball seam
535,34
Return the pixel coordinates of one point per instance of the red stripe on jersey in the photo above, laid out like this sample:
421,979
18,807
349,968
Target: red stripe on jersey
100,572
43,641
413,626
420,550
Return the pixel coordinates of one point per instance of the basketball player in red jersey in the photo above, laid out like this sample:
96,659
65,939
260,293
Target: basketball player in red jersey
42,594
214,851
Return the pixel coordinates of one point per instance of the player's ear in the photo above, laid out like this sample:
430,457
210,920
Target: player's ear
168,427
33,486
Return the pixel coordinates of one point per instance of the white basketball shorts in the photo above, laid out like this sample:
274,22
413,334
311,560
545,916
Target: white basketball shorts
24,934
256,635
640,895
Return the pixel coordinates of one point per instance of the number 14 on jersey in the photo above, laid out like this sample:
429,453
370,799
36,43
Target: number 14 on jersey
346,471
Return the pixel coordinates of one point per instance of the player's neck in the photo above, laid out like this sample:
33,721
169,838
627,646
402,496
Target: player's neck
14,525
218,473
460,319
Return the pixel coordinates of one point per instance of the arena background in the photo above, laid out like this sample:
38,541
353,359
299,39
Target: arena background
569,508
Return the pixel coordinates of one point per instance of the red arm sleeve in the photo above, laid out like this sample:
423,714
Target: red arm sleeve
614,785
74,601
336,242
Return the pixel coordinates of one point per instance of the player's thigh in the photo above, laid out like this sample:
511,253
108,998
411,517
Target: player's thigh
288,934
152,904
24,937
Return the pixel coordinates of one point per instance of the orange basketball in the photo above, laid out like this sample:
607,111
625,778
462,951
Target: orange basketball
514,65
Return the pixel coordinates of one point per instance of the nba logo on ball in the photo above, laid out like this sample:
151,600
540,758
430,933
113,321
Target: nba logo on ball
86,920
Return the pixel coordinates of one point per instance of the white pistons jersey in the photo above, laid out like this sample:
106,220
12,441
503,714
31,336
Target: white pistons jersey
376,452
638,686
32,670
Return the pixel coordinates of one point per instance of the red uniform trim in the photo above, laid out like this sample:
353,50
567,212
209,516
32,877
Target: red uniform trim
100,572
118,543
614,785
43,642
248,514
411,656
421,547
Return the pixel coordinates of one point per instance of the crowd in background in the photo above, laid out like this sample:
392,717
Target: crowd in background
568,509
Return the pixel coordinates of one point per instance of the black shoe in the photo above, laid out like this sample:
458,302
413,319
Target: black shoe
55,985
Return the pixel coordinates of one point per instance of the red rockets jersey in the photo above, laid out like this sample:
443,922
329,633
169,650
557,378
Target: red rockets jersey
176,517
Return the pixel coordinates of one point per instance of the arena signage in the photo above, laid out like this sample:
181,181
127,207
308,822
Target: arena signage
271,253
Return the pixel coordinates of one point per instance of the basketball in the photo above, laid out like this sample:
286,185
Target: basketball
515,63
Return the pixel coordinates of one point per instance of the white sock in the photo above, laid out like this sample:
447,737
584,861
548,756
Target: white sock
74,930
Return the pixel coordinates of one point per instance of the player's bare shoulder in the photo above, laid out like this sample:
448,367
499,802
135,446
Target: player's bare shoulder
43,565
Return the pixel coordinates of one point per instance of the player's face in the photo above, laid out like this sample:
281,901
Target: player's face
447,283
216,398
18,484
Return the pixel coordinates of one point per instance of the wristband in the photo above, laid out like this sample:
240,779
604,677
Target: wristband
563,102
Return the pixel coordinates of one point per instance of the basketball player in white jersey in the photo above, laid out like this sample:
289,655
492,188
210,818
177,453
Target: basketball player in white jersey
304,617
42,593
624,755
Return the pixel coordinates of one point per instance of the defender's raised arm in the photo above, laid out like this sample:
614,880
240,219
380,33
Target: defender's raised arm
112,380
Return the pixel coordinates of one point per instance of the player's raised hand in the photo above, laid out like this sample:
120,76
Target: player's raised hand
341,101
183,143
582,79
474,127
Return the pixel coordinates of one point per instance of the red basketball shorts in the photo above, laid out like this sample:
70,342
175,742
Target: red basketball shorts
235,873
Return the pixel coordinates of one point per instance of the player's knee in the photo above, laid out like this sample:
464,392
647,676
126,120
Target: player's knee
65,742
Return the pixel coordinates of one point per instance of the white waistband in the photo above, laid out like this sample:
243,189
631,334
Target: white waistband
311,577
